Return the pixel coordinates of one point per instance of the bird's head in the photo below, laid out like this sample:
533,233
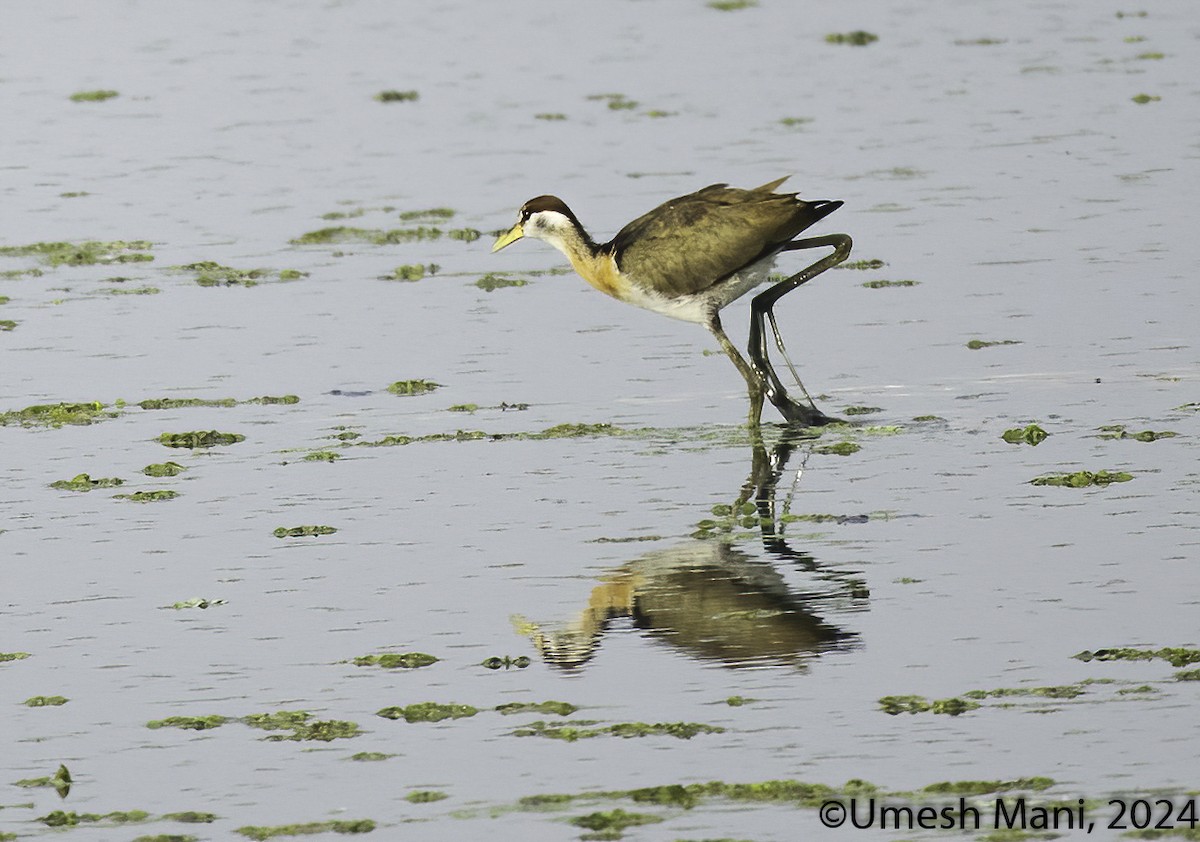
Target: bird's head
546,218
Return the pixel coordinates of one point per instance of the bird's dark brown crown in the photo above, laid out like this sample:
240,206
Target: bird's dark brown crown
547,203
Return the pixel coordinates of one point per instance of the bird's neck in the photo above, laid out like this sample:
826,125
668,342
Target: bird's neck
594,263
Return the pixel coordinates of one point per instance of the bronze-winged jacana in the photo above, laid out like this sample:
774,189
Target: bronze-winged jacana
691,256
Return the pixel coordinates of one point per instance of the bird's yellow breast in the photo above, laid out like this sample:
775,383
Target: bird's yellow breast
601,272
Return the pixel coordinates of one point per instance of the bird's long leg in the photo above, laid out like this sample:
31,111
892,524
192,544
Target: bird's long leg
761,308
754,383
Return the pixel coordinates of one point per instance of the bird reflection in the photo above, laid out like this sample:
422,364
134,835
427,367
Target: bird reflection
711,600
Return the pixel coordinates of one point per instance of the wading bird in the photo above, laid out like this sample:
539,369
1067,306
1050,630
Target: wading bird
692,256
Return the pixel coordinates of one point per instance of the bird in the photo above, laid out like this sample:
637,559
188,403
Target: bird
692,256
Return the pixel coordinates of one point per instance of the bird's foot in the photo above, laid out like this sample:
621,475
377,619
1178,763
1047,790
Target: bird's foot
799,415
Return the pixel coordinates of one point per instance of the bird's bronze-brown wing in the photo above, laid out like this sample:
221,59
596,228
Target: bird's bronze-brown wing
686,245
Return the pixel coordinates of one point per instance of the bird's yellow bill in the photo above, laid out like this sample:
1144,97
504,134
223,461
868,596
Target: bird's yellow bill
515,233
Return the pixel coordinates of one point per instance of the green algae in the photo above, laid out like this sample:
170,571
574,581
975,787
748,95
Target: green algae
185,403
548,707
976,344
189,723
738,701
1118,431
1188,675
731,5
841,448
428,712
463,407
199,439
60,781
303,531
627,730
371,756
966,788
792,122
397,96
493,281
338,234
893,705
259,833
1031,434
550,116
615,102
56,415
93,96
322,456
862,265
466,235
190,817
392,660
613,822
413,387
167,837
195,602
131,291
1061,691
274,400
87,253
62,818
887,284
156,496
409,272
425,796
8,324
45,701
1175,656
279,720
1082,479
209,273
326,730
84,482
163,469
1142,99
857,38
12,274
13,656
862,410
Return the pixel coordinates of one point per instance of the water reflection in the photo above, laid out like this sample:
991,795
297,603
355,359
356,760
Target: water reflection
711,600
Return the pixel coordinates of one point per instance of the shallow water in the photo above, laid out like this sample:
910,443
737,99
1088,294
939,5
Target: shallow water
1017,181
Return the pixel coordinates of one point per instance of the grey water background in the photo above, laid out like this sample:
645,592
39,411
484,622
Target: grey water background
1014,178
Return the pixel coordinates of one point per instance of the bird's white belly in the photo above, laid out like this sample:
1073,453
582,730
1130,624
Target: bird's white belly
697,308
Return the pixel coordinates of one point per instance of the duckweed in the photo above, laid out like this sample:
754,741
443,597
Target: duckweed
1031,434
156,496
93,96
303,531
857,38
260,833
163,469
1082,479
45,701
557,708
390,660
83,482
199,439
428,712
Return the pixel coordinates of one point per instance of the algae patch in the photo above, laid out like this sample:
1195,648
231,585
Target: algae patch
493,281
413,387
893,705
1032,434
548,707
200,439
1118,431
83,482
303,531
977,344
209,273
1175,656
1082,479
628,730
56,415
428,712
93,96
260,833
85,253
857,38
45,701
397,96
390,660
163,469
